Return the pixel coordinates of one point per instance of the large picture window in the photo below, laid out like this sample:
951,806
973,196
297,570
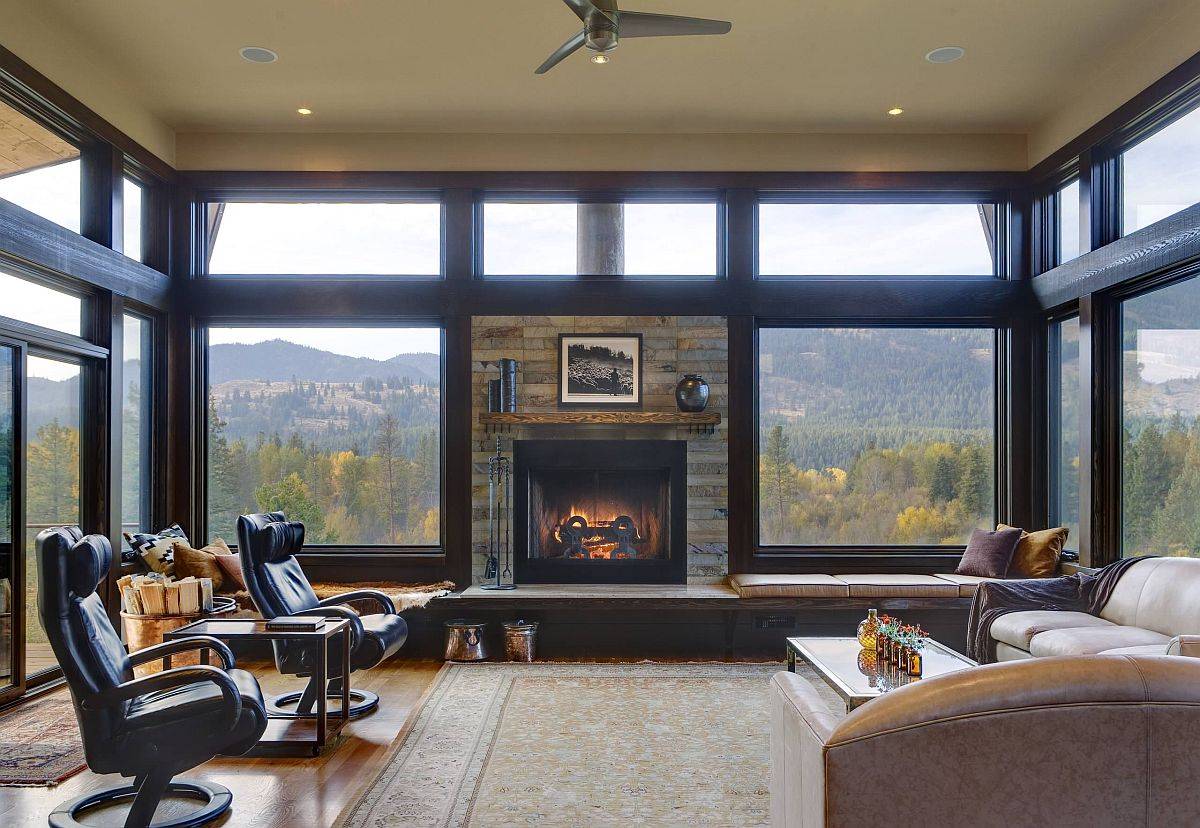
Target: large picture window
1064,390
627,239
314,238
832,239
875,436
37,304
1160,404
1161,174
336,426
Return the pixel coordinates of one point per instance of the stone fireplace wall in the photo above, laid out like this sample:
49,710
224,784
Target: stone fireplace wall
672,346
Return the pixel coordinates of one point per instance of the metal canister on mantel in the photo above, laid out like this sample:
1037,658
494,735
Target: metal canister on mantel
465,640
520,640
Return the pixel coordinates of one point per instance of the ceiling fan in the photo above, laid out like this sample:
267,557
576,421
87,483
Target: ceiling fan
604,24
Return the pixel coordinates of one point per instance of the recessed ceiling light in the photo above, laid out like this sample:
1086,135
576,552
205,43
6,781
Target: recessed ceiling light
600,58
258,54
945,54
895,110
304,110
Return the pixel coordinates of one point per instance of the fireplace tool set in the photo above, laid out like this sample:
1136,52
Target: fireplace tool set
499,521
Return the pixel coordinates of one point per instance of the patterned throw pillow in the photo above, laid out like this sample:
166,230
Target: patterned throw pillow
155,547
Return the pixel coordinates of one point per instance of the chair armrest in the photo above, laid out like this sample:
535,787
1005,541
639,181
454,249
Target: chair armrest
168,679
803,701
1184,645
183,645
356,627
375,595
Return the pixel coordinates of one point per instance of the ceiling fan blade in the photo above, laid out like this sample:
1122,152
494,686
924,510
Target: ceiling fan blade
560,54
643,24
583,8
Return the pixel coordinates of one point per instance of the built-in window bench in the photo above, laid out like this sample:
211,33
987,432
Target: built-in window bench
749,615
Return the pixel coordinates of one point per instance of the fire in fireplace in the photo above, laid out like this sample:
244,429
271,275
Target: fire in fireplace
599,511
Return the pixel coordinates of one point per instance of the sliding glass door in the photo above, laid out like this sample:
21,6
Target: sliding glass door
10,453
52,430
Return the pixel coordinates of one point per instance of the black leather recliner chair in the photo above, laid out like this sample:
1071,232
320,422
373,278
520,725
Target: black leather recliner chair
150,728
268,544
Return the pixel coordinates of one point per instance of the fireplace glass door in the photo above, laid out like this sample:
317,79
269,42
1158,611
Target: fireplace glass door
600,511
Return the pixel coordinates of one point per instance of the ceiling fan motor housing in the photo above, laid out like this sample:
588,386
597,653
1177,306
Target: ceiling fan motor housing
601,34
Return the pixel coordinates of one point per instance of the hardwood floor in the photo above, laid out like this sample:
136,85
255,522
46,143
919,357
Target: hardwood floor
275,793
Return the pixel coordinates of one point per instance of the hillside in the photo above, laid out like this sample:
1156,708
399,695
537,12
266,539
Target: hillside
280,361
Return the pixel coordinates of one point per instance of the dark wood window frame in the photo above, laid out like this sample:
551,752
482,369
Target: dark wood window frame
859,557
718,198
1049,388
998,200
333,195
331,555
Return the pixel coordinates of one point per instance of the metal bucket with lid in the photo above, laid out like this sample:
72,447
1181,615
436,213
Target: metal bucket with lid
520,640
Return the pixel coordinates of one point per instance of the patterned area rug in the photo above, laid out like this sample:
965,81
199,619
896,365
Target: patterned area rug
581,745
39,742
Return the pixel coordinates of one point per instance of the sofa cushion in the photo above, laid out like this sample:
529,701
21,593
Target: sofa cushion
1139,649
1017,628
1092,640
1007,652
967,584
789,586
1160,594
899,586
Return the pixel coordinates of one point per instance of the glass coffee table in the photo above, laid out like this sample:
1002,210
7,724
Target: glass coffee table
853,673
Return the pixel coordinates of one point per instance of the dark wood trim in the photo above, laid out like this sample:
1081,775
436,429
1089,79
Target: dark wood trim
1100,430
101,196
113,427
22,79
850,299
1169,244
743,450
456,449
40,243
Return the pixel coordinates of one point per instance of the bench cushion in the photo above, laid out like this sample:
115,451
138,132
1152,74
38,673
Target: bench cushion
899,586
789,586
966,583
1019,628
1139,649
1092,640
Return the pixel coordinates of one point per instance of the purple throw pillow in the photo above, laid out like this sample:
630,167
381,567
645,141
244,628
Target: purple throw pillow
989,554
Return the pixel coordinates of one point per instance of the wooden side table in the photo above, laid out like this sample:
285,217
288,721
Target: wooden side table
286,735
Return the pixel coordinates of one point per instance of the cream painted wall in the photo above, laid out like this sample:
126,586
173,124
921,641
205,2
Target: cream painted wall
1167,40
510,152
68,60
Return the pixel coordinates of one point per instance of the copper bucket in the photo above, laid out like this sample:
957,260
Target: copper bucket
520,640
142,631
464,640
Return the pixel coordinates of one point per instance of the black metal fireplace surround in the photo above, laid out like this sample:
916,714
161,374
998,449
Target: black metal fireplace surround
600,511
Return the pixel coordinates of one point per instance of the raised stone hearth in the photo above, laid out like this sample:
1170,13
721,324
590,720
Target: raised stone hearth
673,346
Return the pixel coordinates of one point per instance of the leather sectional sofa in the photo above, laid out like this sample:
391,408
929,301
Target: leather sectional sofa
1154,610
1005,744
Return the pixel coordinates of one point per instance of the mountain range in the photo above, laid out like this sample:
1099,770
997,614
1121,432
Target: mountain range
280,361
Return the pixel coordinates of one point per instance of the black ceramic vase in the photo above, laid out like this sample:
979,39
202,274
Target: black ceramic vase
691,394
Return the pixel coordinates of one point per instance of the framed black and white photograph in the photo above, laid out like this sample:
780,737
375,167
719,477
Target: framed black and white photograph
600,371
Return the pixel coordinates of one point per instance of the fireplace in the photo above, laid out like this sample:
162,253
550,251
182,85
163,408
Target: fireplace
600,511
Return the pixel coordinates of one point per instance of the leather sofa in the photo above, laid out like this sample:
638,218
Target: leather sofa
1000,745
1154,610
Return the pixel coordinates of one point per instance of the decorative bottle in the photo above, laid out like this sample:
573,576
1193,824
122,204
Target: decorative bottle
868,630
